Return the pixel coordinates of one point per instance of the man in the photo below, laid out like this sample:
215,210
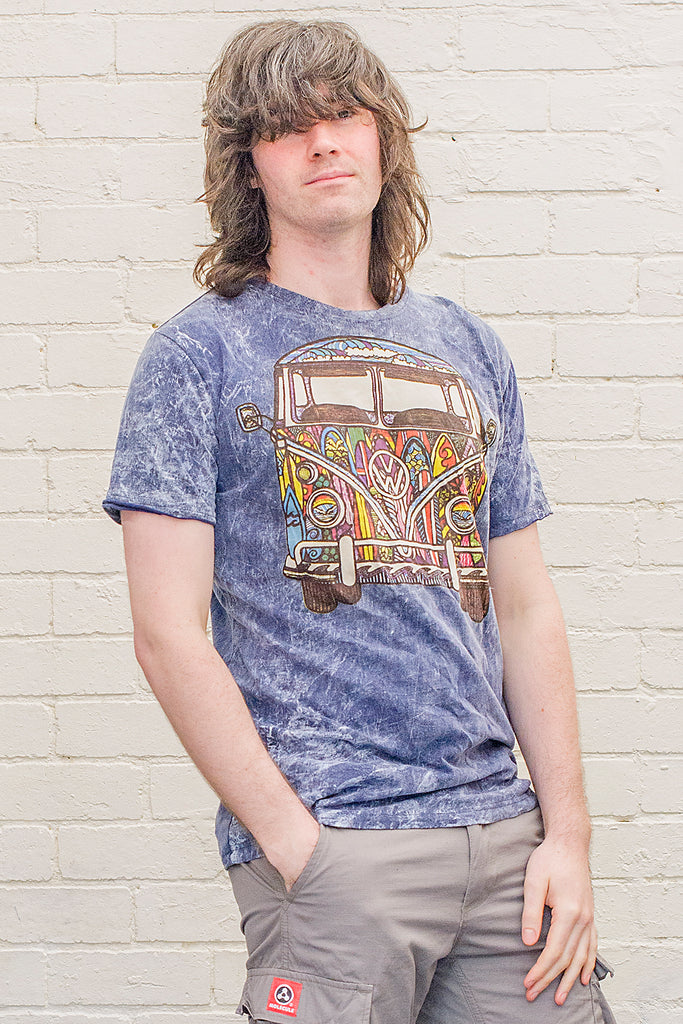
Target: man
342,465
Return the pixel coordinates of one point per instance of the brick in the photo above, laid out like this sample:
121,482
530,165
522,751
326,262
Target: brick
127,7
138,851
96,360
613,785
48,421
603,662
127,110
162,171
638,99
478,102
41,295
27,730
230,973
16,236
99,234
57,173
508,163
438,276
186,913
84,606
63,545
643,973
78,483
547,284
660,536
48,1017
26,853
661,413
180,791
61,667
463,228
617,911
25,607
635,599
608,472
659,287
662,790
423,43
137,977
21,7
113,729
617,723
65,914
633,349
178,46
660,906
180,1017
580,412
22,977
613,224
54,47
589,537
632,849
530,344
52,792
22,484
444,165
155,295
551,39
662,657
20,356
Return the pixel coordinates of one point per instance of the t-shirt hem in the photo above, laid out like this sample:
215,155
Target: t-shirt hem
531,515
343,817
113,508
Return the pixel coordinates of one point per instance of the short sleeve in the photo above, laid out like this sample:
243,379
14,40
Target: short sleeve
166,453
517,497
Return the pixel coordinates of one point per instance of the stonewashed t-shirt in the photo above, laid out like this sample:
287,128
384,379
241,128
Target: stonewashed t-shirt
354,465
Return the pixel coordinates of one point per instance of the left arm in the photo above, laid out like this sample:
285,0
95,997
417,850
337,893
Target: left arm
539,693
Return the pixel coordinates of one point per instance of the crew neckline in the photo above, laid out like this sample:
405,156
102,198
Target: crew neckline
307,306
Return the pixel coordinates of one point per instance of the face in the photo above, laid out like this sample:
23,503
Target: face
322,181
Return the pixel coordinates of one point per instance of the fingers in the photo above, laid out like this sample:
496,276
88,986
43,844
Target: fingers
535,892
569,951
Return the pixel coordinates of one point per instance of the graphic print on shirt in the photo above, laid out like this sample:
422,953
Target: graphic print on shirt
380,456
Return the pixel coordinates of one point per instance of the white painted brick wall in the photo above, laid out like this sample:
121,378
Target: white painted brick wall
553,156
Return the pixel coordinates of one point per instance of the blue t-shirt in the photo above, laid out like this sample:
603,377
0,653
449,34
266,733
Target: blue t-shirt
355,465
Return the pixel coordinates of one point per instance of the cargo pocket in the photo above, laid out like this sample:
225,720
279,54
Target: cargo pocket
602,969
275,995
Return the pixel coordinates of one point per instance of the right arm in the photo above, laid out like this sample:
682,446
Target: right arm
170,574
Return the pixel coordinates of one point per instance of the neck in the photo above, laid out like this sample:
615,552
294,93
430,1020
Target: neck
332,270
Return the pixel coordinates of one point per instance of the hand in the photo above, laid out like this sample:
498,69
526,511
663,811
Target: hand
557,876
294,851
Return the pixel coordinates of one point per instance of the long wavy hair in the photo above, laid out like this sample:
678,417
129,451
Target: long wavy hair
276,77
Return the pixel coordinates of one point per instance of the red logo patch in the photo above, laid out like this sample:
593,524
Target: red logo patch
284,996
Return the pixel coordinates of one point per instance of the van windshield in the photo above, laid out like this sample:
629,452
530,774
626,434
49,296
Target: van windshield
334,397
408,401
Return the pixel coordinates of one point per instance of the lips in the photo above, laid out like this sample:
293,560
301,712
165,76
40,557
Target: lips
328,176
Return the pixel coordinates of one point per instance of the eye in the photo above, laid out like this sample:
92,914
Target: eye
344,114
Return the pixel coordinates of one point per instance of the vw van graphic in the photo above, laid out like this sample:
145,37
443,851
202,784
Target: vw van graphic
380,456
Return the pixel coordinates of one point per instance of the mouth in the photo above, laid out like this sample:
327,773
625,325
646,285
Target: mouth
329,176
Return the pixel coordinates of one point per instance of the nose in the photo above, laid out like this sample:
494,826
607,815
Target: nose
322,139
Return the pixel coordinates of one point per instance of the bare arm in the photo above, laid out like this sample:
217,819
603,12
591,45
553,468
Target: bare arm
170,574
539,692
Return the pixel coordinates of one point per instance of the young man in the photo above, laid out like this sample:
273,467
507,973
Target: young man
340,466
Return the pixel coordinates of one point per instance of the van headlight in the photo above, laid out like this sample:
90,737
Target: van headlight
325,509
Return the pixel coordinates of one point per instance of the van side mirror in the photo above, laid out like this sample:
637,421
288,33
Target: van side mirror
249,417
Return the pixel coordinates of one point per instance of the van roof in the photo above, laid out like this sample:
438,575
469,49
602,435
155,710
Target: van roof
359,349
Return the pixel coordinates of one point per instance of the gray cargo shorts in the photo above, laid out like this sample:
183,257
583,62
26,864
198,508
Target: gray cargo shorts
398,927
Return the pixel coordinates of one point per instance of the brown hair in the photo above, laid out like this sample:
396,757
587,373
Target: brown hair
267,83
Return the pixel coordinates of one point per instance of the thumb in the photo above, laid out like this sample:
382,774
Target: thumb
535,892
